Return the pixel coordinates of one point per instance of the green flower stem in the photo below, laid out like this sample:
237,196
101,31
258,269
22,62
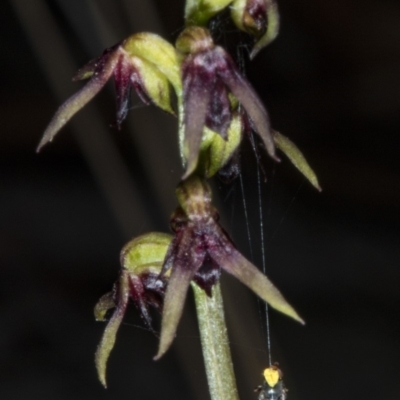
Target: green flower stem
215,344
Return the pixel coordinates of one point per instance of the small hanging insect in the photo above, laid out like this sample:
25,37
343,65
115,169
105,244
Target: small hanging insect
273,387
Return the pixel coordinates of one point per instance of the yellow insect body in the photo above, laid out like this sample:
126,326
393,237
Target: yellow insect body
271,376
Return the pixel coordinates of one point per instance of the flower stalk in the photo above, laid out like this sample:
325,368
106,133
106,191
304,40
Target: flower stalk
215,344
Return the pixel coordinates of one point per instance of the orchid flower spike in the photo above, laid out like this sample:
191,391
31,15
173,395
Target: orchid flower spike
199,250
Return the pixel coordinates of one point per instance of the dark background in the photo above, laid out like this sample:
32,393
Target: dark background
331,82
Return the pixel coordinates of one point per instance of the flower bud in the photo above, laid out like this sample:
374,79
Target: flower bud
259,18
194,39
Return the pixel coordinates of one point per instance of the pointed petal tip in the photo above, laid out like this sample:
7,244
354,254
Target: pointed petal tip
298,318
296,157
190,168
103,381
236,264
77,101
166,340
254,52
45,139
285,308
108,339
158,356
165,344
313,180
261,44
185,175
41,144
101,369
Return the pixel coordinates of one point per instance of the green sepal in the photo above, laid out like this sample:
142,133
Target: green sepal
215,151
296,157
199,12
155,83
145,251
157,51
108,339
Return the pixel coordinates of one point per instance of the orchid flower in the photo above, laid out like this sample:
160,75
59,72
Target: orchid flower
199,251
211,84
144,61
141,259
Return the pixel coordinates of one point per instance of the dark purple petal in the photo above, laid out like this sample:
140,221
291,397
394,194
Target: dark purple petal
231,170
108,340
155,289
138,294
139,86
122,78
248,98
208,275
80,99
224,253
219,113
198,83
147,289
173,307
188,258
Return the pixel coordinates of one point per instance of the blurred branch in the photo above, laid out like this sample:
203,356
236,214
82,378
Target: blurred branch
93,138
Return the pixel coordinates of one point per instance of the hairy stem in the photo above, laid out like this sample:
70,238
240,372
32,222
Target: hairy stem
215,344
